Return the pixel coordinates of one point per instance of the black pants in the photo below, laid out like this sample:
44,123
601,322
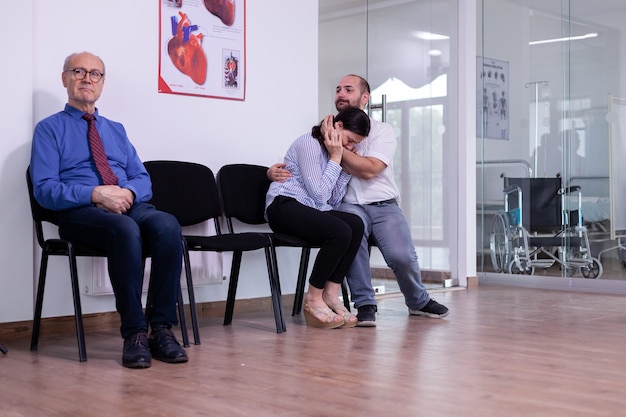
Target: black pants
338,234
123,237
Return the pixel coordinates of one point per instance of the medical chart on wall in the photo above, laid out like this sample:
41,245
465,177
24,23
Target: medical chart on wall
202,48
492,98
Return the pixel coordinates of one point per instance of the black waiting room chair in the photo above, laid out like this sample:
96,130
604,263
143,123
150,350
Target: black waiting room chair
188,191
242,189
61,247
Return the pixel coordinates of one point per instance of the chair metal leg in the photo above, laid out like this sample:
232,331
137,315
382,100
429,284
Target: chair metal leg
182,320
274,287
232,288
191,295
3,349
299,295
41,285
345,294
78,313
277,303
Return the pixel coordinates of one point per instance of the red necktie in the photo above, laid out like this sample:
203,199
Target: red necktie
97,151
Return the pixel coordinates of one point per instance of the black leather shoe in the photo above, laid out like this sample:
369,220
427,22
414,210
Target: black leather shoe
136,352
165,347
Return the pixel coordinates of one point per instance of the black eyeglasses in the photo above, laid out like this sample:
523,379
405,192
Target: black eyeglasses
80,73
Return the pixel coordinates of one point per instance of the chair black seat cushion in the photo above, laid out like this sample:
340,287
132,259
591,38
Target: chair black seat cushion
240,242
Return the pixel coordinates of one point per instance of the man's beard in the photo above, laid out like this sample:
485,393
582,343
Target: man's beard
343,104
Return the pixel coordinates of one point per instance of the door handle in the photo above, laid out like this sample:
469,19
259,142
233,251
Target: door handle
382,106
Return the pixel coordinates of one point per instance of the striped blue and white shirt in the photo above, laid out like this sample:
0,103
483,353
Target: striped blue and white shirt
315,181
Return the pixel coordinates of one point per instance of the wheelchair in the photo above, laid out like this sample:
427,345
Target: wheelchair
537,229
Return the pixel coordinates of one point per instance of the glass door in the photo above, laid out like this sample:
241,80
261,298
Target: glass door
411,62
407,52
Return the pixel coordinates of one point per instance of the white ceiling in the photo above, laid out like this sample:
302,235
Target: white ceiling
546,20
588,9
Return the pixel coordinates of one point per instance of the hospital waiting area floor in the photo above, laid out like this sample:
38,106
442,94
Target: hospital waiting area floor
502,351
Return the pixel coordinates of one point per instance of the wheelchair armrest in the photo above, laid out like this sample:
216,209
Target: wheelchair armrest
570,190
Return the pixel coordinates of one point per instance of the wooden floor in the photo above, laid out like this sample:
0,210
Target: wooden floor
501,352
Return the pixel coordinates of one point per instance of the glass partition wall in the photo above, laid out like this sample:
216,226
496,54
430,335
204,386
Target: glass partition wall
550,89
407,50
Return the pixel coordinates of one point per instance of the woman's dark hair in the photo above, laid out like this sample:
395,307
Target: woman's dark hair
353,119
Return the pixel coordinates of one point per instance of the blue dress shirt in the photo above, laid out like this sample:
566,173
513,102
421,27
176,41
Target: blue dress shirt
62,169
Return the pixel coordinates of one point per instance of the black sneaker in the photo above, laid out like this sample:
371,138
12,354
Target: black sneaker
136,353
432,309
366,316
165,347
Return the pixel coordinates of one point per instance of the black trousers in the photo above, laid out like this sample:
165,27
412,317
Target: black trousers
338,234
124,237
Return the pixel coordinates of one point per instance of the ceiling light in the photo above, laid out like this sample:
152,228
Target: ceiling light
428,36
569,38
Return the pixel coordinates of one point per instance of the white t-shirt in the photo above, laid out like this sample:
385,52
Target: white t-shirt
380,144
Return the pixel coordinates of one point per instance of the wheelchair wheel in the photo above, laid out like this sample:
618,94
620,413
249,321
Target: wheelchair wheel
499,242
514,268
593,270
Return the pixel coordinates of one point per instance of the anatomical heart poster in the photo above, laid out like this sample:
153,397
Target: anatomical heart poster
202,48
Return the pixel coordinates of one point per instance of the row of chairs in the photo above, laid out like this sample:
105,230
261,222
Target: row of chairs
194,195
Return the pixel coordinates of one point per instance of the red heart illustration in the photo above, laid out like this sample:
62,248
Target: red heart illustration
185,50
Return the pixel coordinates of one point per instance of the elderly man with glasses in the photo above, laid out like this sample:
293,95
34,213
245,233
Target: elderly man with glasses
84,167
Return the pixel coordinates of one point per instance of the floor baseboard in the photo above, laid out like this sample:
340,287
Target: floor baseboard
110,320
428,276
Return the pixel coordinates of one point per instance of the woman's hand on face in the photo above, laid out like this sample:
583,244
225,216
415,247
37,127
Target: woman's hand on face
327,124
332,139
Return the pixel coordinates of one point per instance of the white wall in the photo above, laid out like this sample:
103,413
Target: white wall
281,103
16,257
